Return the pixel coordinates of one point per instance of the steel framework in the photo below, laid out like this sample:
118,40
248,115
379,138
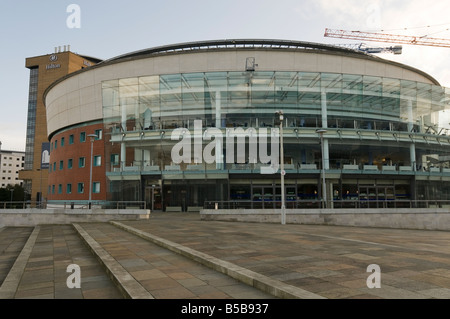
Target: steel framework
391,38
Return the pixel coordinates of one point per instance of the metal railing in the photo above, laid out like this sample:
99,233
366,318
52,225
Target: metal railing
336,204
75,205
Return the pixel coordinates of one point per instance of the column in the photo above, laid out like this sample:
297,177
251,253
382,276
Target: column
219,146
123,156
412,146
146,157
325,154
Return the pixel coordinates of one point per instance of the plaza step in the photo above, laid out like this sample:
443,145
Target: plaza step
39,269
12,241
254,279
144,269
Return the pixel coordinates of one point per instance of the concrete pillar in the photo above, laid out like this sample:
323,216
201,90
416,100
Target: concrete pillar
412,155
410,116
146,157
123,109
412,146
324,109
330,195
137,118
218,109
123,156
219,146
326,157
138,157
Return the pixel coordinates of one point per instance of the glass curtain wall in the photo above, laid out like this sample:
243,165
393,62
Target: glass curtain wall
230,100
251,98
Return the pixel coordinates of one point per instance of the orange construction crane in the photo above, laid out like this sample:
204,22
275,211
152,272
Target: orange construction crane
391,38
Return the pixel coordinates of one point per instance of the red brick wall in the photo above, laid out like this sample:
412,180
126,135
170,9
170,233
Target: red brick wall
77,175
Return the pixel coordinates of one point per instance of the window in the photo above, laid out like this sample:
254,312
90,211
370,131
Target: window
97,160
99,134
69,163
83,137
54,166
61,165
96,187
80,188
62,141
60,189
114,159
53,189
69,188
71,139
81,162
56,144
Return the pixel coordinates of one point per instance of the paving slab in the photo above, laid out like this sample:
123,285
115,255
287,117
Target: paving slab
12,241
162,273
321,261
330,261
40,270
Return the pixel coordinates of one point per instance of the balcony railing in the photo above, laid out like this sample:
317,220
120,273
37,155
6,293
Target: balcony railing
256,168
74,205
337,204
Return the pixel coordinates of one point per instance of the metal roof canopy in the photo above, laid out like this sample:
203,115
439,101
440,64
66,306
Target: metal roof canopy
234,43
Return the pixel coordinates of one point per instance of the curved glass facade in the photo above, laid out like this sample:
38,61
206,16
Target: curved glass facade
383,138
251,98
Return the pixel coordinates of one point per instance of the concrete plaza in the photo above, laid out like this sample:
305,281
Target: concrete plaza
180,256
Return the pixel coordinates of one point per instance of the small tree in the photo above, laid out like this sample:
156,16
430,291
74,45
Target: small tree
17,192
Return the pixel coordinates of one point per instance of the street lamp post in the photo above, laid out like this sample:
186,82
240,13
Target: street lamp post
40,188
282,172
92,137
324,186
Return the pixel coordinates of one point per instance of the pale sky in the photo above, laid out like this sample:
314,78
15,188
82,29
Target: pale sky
109,28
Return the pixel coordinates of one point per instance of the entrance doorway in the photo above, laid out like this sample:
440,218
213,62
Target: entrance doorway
263,197
269,196
376,196
153,198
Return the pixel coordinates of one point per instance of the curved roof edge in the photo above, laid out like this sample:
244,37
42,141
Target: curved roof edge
233,44
275,44
247,44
